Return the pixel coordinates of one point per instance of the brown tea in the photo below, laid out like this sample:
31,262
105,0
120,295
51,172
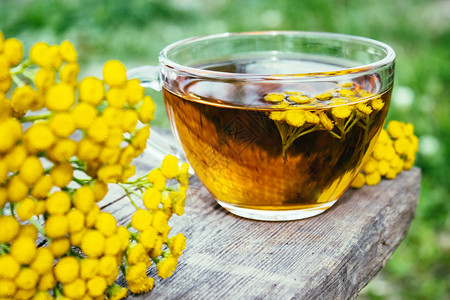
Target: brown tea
270,149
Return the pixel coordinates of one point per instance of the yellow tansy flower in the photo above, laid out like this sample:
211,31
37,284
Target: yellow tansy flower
27,279
98,130
274,97
148,237
136,254
146,110
44,79
26,209
25,98
76,220
295,118
135,92
62,124
106,224
151,198
96,286
166,266
93,244
364,108
60,97
42,187
114,73
395,129
17,189
88,268
7,288
373,178
58,203
177,244
325,121
13,51
141,219
68,52
324,96
128,120
47,281
116,97
169,166
69,73
39,54
301,99
100,190
377,104
10,228
31,170
10,267
59,247
56,226
91,90
88,149
23,249
110,173
84,199
38,137
341,112
62,150
10,132
67,269
43,261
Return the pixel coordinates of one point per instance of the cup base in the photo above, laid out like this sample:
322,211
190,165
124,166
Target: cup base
274,215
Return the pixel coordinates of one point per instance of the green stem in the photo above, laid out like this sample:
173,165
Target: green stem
33,221
128,191
34,118
81,181
19,69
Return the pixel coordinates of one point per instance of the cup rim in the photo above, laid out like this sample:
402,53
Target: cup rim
360,70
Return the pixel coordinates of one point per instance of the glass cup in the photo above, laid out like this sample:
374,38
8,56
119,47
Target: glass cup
276,125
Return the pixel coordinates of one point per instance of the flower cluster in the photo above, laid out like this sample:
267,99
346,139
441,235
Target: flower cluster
336,111
394,151
62,142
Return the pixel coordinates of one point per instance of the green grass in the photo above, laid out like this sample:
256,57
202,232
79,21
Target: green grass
135,31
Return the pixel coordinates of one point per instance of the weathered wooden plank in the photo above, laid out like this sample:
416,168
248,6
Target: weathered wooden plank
330,256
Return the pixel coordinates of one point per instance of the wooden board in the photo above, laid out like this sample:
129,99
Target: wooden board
330,256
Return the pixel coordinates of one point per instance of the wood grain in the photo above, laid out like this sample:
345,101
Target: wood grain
330,256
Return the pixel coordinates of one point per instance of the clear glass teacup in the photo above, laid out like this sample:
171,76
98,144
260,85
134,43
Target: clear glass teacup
276,125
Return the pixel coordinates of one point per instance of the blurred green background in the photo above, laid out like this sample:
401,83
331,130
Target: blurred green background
134,32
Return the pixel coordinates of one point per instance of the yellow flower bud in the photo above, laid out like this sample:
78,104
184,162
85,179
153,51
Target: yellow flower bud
44,79
9,228
169,167
62,124
47,281
43,261
151,198
58,203
10,267
166,266
76,220
141,219
91,90
13,51
62,174
158,180
106,224
146,111
96,286
23,249
69,73
114,73
60,97
68,52
75,289
88,267
10,132
59,247
42,187
295,118
27,279
83,114
84,199
17,189
7,288
135,92
38,138
26,209
25,98
31,170
148,237
56,226
67,269
93,244
62,150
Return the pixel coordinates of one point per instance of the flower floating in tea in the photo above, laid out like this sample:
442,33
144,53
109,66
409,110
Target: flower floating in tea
336,111
61,143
